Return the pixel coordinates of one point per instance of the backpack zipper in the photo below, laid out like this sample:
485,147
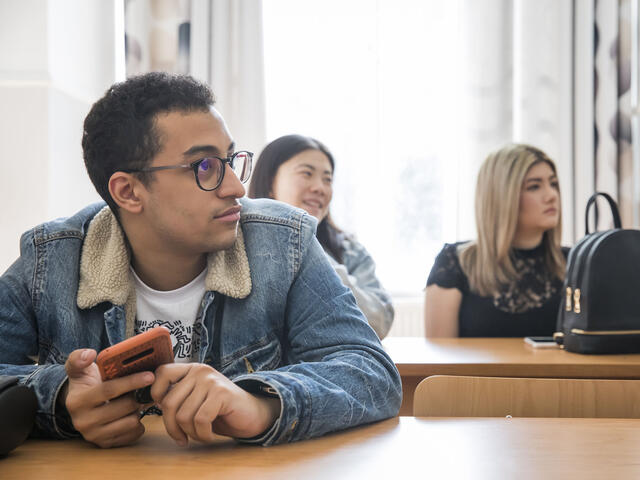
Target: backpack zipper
578,331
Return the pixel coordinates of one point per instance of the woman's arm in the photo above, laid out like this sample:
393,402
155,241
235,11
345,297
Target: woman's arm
441,310
358,272
370,297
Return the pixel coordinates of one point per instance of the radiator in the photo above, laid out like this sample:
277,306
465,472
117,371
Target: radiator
409,318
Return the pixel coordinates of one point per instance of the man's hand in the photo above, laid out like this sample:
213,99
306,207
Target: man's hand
101,411
198,401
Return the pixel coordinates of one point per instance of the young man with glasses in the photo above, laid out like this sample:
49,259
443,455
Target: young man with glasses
270,346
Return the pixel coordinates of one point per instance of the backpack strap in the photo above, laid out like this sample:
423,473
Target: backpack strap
614,210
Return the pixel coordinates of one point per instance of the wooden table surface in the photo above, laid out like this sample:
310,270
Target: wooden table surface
417,358
402,447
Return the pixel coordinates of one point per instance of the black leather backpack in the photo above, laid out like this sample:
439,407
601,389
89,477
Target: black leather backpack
600,308
18,406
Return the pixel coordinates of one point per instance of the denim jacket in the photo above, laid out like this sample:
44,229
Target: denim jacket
358,272
288,322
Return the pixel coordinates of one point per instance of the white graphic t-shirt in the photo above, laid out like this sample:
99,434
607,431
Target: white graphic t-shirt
176,310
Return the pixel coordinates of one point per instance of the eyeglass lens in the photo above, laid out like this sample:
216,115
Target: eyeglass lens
241,166
211,170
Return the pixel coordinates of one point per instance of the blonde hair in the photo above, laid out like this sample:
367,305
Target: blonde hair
487,262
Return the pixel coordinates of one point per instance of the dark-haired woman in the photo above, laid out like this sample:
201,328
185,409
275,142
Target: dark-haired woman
298,170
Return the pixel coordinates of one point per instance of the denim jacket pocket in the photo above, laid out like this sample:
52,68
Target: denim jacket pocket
265,354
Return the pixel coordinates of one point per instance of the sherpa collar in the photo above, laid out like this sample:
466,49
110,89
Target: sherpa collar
105,275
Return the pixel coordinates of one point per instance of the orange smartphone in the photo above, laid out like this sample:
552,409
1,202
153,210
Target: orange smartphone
143,352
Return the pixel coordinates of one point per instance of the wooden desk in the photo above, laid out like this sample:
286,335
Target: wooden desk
403,447
417,358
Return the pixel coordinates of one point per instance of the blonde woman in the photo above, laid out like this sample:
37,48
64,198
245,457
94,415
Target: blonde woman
506,283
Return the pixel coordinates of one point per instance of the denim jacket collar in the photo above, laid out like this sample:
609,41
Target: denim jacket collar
105,275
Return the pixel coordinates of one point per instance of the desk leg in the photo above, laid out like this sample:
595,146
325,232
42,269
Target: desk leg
409,385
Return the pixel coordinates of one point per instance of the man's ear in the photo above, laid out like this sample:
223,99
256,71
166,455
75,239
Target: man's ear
124,189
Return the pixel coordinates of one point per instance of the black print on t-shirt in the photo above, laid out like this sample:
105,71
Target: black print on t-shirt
185,338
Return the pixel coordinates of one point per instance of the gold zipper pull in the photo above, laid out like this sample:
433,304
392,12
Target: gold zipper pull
576,301
567,302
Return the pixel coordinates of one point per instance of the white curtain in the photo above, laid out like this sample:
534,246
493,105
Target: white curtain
517,86
604,90
614,146
157,36
557,74
227,53
216,41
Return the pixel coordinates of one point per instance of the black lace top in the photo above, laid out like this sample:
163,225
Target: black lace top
528,307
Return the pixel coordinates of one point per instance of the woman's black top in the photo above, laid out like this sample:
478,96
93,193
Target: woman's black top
527,308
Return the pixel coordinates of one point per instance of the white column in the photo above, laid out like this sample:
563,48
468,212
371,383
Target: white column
236,68
543,88
56,58
487,75
584,173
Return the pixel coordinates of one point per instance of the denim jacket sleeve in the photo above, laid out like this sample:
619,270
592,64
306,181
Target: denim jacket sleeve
359,274
19,341
338,375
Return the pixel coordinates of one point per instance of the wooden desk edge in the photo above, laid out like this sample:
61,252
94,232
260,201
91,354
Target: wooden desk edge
542,370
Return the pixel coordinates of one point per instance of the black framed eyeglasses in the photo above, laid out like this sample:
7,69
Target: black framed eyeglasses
209,171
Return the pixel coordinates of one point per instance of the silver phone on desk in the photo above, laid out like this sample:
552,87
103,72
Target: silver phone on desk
541,342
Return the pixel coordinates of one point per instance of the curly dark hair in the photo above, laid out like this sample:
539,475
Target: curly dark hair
275,154
119,131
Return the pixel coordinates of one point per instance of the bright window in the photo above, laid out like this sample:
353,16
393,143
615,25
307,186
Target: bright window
377,82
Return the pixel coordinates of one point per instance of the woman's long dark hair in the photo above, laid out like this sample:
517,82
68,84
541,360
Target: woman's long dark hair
275,154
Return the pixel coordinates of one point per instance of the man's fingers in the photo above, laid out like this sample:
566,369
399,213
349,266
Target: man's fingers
203,420
121,432
187,409
98,394
124,439
116,409
174,430
119,386
171,403
167,375
78,361
106,414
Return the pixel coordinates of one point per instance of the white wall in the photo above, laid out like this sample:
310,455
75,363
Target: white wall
56,58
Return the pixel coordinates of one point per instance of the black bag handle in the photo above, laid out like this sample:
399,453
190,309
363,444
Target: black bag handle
614,210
